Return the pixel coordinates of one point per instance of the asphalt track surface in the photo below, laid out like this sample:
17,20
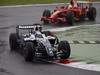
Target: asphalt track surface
13,63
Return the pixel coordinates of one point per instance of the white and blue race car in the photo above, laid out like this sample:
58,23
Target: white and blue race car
33,43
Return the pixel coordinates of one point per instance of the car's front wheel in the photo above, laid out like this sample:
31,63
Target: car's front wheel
70,18
29,51
46,13
64,48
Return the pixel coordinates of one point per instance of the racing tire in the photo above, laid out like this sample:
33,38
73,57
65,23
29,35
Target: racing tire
46,13
91,15
64,47
29,51
13,41
70,18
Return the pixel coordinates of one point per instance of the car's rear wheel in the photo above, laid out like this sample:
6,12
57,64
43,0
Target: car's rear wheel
64,48
46,13
91,15
13,41
29,51
70,18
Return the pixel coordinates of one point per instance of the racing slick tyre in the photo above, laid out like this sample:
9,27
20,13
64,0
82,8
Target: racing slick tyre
91,15
29,51
64,48
13,41
70,18
46,13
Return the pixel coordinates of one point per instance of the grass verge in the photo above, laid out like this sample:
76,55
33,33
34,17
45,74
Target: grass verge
25,2
81,33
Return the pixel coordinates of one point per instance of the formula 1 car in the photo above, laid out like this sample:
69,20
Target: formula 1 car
76,10
33,43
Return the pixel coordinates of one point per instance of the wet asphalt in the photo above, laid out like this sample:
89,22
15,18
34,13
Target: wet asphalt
13,63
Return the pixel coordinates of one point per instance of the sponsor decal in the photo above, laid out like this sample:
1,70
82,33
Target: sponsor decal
22,27
28,27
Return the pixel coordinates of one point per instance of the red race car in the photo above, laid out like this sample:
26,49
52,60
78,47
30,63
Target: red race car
76,10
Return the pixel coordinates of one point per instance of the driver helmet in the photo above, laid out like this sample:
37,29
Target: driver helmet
73,3
38,34
69,6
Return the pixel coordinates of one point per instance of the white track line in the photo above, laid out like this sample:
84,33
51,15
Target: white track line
68,28
62,29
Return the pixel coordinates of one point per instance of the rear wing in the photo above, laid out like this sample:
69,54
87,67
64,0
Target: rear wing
33,27
83,2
